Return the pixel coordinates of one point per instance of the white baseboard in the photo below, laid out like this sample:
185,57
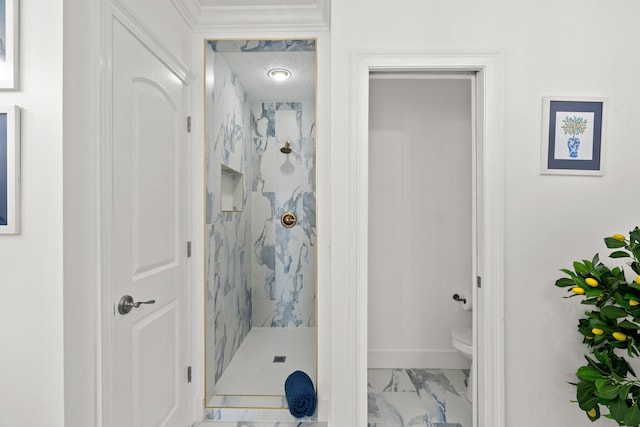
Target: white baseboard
431,359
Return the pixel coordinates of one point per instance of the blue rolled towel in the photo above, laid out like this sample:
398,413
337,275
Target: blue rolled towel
301,396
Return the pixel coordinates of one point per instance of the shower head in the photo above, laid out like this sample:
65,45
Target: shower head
287,148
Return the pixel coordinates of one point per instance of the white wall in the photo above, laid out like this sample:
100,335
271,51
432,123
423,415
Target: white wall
162,19
420,220
81,225
31,356
549,48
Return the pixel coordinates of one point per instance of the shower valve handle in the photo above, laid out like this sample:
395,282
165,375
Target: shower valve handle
288,219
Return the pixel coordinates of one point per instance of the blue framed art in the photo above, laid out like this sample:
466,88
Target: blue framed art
573,134
9,170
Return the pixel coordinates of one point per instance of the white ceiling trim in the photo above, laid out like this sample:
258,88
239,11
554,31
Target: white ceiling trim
255,14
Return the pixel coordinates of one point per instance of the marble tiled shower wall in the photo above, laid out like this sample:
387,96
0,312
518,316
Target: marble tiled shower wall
258,273
228,234
284,261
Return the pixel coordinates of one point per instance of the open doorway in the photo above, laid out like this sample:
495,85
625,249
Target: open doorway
422,248
485,283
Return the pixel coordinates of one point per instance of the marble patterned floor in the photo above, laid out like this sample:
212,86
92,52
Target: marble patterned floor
418,397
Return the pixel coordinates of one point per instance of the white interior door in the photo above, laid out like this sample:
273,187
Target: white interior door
147,345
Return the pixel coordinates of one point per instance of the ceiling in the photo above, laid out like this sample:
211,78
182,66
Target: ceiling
251,70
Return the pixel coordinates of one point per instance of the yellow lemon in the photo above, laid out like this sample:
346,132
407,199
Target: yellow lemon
638,280
619,237
619,336
633,302
591,282
578,290
597,331
592,412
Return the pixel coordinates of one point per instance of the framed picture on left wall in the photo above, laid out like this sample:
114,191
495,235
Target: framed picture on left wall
9,169
9,44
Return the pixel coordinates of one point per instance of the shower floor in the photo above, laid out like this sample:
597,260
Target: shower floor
252,370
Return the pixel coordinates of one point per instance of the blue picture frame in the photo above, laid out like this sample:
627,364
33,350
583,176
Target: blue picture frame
573,136
9,170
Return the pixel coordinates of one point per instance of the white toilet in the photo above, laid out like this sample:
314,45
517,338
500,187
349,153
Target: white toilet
462,340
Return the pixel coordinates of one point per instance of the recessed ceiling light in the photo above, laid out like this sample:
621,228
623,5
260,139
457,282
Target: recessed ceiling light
279,74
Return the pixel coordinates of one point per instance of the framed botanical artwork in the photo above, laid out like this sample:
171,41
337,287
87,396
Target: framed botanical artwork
9,44
9,170
573,135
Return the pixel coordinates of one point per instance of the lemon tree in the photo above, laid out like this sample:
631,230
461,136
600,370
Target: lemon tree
607,384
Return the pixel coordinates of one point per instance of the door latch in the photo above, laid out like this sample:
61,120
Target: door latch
126,304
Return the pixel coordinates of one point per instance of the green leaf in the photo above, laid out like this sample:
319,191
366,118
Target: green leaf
579,281
632,416
613,243
619,254
585,390
602,357
564,282
624,391
567,271
628,325
593,292
596,259
606,389
619,366
588,373
580,268
588,264
616,271
619,299
588,404
613,312
597,366
618,409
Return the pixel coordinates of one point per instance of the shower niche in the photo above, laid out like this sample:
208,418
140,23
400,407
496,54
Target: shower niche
260,163
231,190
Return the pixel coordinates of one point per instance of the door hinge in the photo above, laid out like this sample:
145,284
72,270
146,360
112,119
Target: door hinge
189,124
189,374
188,249
479,281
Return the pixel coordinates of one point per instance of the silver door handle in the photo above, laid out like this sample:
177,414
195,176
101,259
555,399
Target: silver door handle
126,304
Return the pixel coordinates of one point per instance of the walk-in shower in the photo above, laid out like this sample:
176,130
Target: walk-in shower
260,222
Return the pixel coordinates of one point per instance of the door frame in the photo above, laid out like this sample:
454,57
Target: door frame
114,10
488,312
